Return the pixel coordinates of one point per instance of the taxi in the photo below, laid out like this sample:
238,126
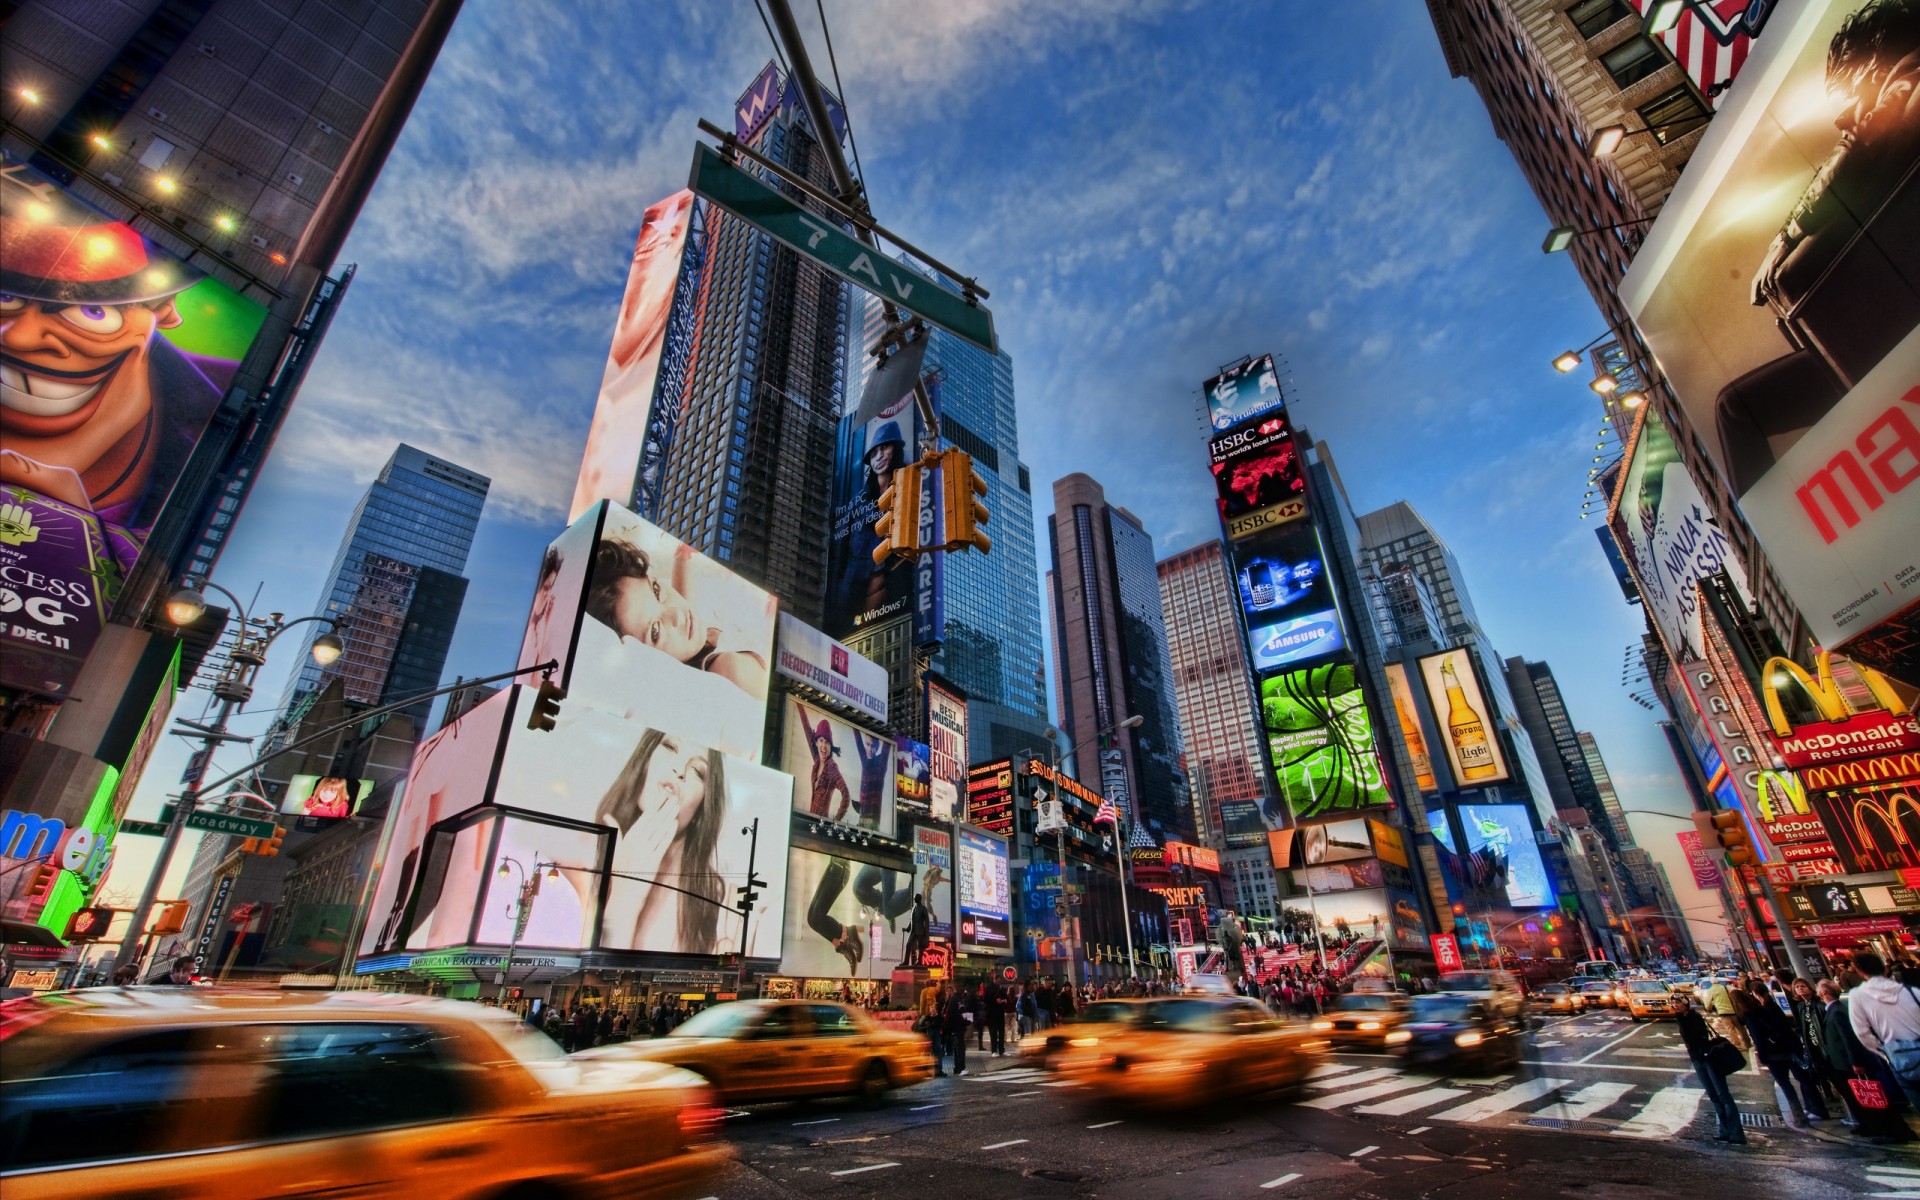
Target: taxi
1100,1019
1560,998
754,1050
1597,992
114,1092
1648,999
1365,1019
1185,1051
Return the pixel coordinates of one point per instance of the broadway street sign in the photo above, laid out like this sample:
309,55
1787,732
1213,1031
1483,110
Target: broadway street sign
222,823
824,242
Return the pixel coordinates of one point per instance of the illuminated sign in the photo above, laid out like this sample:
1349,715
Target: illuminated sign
1257,480
947,748
1846,730
1199,857
990,796
985,893
848,774
1241,393
1321,741
1882,769
1181,897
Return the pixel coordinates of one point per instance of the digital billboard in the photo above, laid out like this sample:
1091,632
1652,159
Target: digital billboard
1408,714
1467,729
1243,392
116,356
946,749
617,438
844,774
1258,484
1350,916
563,912
805,655
1286,598
1875,826
845,919
1779,292
324,796
1321,741
986,896
666,636
860,592
1665,530
990,796
1342,877
1501,853
912,769
1313,845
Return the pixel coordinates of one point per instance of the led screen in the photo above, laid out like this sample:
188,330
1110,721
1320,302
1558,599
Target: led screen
986,900
911,771
1501,853
1257,480
1321,741
844,775
324,796
1243,392
933,874
562,912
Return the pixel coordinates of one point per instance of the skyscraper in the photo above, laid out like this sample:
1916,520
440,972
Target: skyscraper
1212,686
1543,711
396,583
1110,650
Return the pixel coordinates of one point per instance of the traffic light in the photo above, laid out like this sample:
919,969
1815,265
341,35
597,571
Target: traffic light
1728,831
267,846
749,892
959,485
899,525
171,918
40,881
546,706
89,924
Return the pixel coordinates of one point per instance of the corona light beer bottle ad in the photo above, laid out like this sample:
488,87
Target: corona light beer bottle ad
1473,750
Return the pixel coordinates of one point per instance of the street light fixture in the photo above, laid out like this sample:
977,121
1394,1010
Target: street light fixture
1561,236
1566,361
1604,384
1664,15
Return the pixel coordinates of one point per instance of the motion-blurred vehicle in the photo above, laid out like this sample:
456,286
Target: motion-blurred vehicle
1598,993
1680,984
1459,1030
1185,1051
1364,1019
1101,1019
158,1092
1560,998
1498,990
1648,999
754,1050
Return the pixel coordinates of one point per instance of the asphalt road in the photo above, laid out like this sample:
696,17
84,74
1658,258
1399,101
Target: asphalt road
1601,1110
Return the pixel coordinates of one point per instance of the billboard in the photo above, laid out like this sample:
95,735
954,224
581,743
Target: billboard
1286,598
1407,713
990,796
1501,853
1243,392
1258,484
1320,740
1663,525
1467,732
116,357
1875,826
664,635
805,655
1780,292
912,770
821,752
1342,877
946,749
324,796
563,913
1706,876
859,592
933,875
1349,916
617,439
844,919
986,895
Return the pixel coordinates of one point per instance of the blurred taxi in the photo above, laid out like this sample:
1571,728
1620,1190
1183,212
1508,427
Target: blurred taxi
1648,998
1461,1030
1560,998
1598,993
1364,1019
1191,1050
159,1092
1101,1019
756,1050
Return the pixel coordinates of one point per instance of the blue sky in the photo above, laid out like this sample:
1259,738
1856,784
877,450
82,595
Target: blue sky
1149,190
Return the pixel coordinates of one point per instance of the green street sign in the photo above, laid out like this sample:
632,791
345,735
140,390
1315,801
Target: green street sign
827,244
227,823
145,828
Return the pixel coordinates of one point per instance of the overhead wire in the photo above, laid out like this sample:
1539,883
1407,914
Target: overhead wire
853,142
767,24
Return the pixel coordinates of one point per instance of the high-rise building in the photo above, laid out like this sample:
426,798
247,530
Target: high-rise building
396,585
1213,689
992,644
746,479
1563,759
1111,663
1616,817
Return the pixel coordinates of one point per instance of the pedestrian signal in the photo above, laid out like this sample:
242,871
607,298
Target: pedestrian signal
89,924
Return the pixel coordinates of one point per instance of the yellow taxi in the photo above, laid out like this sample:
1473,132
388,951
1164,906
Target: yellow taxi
192,1092
755,1050
1101,1019
1560,998
1185,1051
1365,1019
1647,999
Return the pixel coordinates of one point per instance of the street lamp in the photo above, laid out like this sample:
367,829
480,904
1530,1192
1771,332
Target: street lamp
522,905
233,688
1561,236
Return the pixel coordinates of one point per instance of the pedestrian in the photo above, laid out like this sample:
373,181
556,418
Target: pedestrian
1885,1016
1722,1015
1854,1064
959,1020
1709,1064
930,1022
126,975
1809,1018
1777,1044
1029,1011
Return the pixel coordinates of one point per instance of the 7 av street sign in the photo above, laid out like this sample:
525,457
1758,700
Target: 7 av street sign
825,243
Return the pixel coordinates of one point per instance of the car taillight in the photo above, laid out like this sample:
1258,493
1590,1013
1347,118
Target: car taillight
701,1119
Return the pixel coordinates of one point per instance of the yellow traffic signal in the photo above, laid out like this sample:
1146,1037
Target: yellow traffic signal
1731,832
271,846
40,881
171,917
960,485
899,525
546,706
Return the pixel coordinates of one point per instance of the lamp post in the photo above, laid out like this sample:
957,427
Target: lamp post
233,688
522,906
1561,236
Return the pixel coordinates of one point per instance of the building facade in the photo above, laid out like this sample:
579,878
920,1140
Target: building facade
1111,661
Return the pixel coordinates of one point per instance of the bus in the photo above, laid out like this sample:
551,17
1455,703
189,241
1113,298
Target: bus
1598,968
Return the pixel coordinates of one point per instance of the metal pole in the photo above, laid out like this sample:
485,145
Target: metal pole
1066,897
1126,916
746,908
1795,961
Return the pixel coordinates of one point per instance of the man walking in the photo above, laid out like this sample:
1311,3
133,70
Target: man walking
959,1021
933,1022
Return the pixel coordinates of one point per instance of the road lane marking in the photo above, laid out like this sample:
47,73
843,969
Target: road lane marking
1387,1088
1585,1102
1282,1181
1017,1095
1362,1077
1544,1045
864,1170
1501,1101
1670,1111
1400,1106
925,1107
1004,1145
1363,1151
1104,1125
1059,1085
1416,1132
1636,1032
821,1121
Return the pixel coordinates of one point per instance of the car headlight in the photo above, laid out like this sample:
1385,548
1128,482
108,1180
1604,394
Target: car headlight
1369,1024
1323,1025
1083,1041
1469,1038
1398,1036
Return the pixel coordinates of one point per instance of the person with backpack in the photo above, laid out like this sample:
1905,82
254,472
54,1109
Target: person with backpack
1871,1093
1885,1016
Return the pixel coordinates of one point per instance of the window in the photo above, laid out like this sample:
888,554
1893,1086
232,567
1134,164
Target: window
1591,17
830,1020
324,1079
1634,60
1674,114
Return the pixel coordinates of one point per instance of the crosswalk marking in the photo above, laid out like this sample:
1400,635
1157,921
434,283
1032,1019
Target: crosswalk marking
1330,1069
1903,1183
1362,1077
1585,1102
1400,1106
1501,1101
1671,1110
1384,1088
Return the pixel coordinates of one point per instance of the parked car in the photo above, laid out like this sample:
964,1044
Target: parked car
113,1092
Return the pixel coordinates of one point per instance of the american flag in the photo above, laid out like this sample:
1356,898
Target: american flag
1106,812
1710,41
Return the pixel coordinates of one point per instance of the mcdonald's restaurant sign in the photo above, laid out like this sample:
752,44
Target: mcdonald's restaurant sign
1848,728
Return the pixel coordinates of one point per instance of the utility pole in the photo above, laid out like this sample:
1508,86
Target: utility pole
747,896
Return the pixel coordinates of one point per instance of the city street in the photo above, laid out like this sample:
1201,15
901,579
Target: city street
1601,1108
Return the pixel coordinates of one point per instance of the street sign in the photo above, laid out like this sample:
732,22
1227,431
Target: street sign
846,256
213,822
145,828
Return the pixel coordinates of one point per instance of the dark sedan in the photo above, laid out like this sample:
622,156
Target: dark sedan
1459,1031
